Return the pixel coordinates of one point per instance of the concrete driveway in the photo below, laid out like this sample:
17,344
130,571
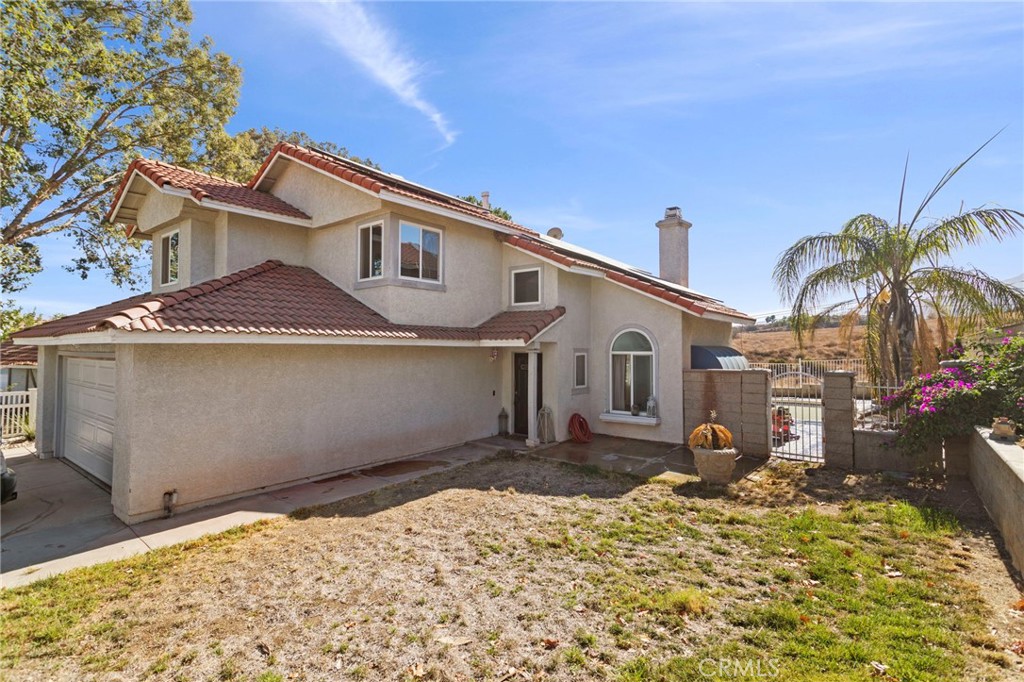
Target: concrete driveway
58,512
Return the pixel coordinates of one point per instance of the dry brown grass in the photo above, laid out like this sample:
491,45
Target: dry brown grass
527,569
781,346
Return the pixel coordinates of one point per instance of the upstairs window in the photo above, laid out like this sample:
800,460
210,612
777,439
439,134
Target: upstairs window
632,371
169,258
420,255
371,241
526,286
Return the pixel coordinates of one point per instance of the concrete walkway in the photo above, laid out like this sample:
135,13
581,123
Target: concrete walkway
63,520
645,459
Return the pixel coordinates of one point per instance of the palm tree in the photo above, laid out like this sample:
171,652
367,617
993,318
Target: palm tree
896,279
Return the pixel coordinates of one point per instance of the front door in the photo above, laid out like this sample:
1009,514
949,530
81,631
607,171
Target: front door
520,404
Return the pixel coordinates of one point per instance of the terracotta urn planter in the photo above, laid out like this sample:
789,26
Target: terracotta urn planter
715,466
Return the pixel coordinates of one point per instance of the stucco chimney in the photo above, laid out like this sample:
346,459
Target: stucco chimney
485,199
674,247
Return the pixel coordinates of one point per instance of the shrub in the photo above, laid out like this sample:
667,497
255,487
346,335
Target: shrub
953,400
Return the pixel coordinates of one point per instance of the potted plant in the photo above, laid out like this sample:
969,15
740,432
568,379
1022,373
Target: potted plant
713,451
1004,427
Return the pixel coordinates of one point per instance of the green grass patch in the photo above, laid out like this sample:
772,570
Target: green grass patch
45,617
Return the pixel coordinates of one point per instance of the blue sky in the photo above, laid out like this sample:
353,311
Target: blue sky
764,122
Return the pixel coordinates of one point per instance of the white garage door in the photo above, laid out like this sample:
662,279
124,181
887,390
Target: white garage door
89,415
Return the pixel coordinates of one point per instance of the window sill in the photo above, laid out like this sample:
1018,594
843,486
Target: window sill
616,418
392,282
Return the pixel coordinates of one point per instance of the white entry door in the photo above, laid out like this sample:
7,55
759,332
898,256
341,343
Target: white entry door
89,415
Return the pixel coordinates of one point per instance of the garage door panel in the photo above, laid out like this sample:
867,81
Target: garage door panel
89,409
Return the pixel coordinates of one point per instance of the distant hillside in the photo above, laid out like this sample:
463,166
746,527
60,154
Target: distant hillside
781,346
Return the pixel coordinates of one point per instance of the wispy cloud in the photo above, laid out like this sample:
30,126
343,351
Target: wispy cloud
368,42
700,52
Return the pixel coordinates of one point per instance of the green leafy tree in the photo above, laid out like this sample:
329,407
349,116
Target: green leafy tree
238,157
896,278
14,318
495,210
87,85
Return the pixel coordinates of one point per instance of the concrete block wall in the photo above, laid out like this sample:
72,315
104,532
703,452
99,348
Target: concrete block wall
837,419
997,472
742,399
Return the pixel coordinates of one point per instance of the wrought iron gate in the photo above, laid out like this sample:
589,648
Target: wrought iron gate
797,431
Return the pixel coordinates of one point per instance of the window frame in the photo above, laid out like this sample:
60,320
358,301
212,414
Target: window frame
512,285
440,253
575,370
379,224
165,261
653,354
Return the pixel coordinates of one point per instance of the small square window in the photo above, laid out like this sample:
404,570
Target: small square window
169,258
371,262
580,374
526,286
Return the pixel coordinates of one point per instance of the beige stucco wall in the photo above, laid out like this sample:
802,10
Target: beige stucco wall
572,333
215,420
251,241
156,208
327,200
614,309
471,258
202,251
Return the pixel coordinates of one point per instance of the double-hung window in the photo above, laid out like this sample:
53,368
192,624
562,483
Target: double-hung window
632,369
420,256
526,286
169,258
371,251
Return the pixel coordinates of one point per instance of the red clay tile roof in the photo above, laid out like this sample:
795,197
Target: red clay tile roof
14,356
272,298
202,186
376,181
695,303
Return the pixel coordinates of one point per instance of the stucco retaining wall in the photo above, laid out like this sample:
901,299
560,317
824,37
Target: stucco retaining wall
997,472
215,421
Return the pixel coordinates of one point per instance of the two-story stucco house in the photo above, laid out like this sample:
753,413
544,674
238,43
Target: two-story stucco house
327,316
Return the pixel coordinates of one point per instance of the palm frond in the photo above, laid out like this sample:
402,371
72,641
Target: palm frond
814,252
947,177
950,234
968,294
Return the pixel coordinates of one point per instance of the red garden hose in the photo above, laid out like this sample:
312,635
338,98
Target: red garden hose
579,429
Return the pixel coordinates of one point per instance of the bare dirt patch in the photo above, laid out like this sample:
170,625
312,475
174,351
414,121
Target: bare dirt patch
529,569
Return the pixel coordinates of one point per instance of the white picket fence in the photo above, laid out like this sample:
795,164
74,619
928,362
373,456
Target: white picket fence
17,408
803,372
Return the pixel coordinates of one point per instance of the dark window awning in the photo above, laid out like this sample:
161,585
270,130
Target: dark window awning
717,357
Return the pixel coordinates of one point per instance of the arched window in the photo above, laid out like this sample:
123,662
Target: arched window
632,365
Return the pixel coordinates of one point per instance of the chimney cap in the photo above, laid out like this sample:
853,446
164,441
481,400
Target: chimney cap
673,212
555,233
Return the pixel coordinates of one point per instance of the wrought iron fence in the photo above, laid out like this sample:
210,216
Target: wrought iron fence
803,372
873,412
